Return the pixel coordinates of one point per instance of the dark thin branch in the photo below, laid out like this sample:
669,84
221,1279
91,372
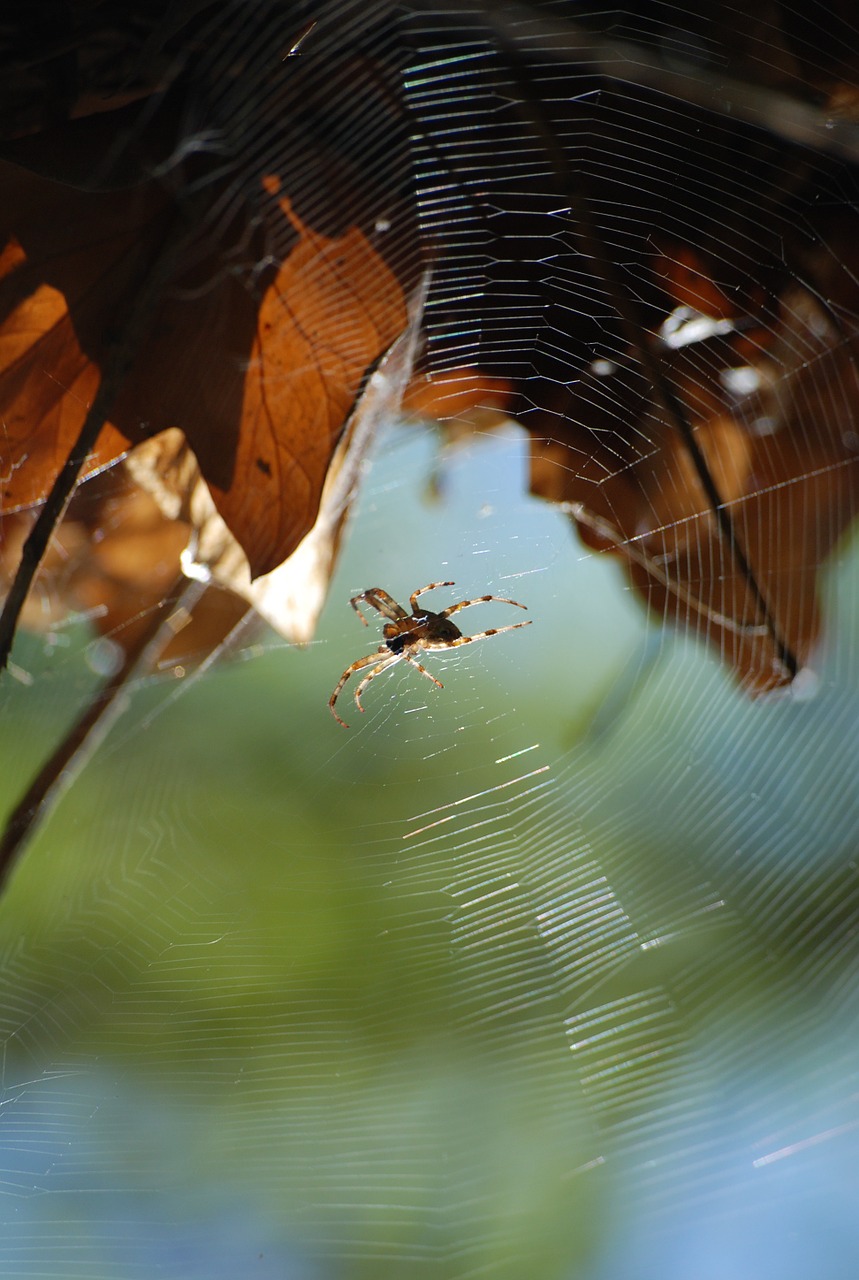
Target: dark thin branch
785,115
116,367
574,189
90,729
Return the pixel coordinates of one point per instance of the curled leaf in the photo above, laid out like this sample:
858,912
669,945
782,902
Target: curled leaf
329,313
291,596
259,369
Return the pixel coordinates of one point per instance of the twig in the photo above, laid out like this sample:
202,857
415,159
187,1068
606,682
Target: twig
574,189
90,729
817,127
116,367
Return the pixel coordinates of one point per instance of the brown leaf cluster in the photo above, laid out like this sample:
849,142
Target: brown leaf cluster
784,467
112,561
243,404
260,381
784,464
257,375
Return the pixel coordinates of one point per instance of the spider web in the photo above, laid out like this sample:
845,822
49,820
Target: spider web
551,972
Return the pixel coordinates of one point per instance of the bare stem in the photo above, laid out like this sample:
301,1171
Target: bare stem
575,189
116,367
90,729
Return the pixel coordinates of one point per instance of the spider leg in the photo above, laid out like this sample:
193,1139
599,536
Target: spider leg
466,604
387,661
414,663
356,666
381,601
381,666
481,635
413,598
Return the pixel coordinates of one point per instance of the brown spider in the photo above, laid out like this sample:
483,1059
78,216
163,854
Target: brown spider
407,634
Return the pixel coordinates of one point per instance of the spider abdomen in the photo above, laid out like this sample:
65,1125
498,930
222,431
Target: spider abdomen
441,630
420,631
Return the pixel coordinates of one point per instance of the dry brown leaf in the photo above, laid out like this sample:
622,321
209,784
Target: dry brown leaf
291,596
464,394
68,260
260,376
112,560
331,311
789,481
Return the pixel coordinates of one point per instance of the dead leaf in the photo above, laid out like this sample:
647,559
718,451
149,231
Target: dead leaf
291,596
787,475
259,373
111,561
464,395
68,260
330,312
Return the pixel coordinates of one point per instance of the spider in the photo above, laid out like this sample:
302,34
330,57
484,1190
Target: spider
407,634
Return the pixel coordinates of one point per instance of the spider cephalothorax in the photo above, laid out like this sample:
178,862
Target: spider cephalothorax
406,635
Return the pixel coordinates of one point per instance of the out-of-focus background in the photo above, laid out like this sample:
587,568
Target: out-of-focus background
546,973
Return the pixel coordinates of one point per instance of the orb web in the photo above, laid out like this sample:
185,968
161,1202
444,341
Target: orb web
552,971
